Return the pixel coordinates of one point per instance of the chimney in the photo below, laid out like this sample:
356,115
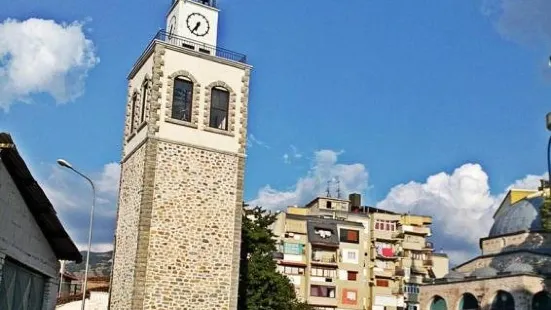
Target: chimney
355,200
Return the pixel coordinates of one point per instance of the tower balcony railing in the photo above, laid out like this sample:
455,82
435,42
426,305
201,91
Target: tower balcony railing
199,46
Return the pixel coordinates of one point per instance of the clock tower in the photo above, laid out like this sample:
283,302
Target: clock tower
177,243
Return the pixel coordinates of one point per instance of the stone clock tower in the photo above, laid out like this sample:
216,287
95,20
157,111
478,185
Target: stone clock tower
179,214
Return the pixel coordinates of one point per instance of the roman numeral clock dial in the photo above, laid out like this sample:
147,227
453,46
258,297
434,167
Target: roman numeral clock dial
198,24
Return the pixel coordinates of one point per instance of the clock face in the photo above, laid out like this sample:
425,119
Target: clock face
198,24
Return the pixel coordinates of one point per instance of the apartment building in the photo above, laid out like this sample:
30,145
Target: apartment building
341,255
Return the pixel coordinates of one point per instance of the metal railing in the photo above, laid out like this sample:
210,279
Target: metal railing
207,2
199,47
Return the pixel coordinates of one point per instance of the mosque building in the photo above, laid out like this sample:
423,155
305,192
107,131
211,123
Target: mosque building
512,272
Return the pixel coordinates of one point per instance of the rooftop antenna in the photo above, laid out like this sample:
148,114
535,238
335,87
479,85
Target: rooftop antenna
338,187
328,191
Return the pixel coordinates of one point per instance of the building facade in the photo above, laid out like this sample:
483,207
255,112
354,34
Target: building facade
179,216
513,270
32,239
341,255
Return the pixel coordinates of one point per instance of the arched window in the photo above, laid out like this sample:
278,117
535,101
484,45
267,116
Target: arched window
219,105
541,301
133,102
438,303
182,99
503,301
468,302
145,95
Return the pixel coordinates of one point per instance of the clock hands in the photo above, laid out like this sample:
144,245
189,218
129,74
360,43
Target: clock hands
196,27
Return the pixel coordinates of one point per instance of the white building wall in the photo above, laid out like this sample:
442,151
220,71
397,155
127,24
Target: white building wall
22,240
97,301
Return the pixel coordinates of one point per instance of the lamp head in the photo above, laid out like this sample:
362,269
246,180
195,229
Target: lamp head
64,163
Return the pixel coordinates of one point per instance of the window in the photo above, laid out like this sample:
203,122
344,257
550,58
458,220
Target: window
145,94
381,283
349,296
322,291
329,206
291,270
349,256
182,99
133,111
219,104
412,289
385,225
323,272
352,275
350,236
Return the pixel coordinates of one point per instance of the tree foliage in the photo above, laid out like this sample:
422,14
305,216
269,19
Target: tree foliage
261,287
545,212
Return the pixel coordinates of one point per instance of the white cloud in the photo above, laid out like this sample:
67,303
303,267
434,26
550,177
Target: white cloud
71,197
521,21
293,155
286,158
353,178
42,56
460,203
252,141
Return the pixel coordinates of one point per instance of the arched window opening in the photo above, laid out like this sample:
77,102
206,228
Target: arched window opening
468,302
182,99
503,301
438,303
541,301
219,105
133,102
145,96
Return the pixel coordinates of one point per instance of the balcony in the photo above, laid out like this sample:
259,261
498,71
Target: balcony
419,230
413,246
199,47
429,246
413,298
324,258
384,273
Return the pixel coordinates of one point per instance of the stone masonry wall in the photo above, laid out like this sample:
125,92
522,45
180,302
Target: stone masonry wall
127,230
523,288
192,246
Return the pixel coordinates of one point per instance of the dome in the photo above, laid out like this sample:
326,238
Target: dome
523,215
484,272
454,275
519,268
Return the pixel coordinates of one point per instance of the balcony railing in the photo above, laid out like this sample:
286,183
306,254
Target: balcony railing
330,259
200,47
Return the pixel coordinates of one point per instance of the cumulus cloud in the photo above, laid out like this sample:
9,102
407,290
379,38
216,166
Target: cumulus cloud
325,167
522,21
42,56
460,203
72,198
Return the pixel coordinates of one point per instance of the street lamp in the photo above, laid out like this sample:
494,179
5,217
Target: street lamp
64,163
548,123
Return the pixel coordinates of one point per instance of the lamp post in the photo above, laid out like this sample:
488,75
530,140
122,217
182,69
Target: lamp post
64,163
548,123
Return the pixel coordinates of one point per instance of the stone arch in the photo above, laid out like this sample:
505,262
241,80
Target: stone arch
145,89
132,112
468,301
231,106
437,302
195,100
541,301
502,300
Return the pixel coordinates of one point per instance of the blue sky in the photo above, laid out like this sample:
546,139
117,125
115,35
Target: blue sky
376,93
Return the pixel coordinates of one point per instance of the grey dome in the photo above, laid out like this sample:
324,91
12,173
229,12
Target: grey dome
454,275
484,272
519,268
521,216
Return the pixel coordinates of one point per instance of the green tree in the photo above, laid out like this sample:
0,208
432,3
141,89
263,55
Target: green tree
261,287
545,213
